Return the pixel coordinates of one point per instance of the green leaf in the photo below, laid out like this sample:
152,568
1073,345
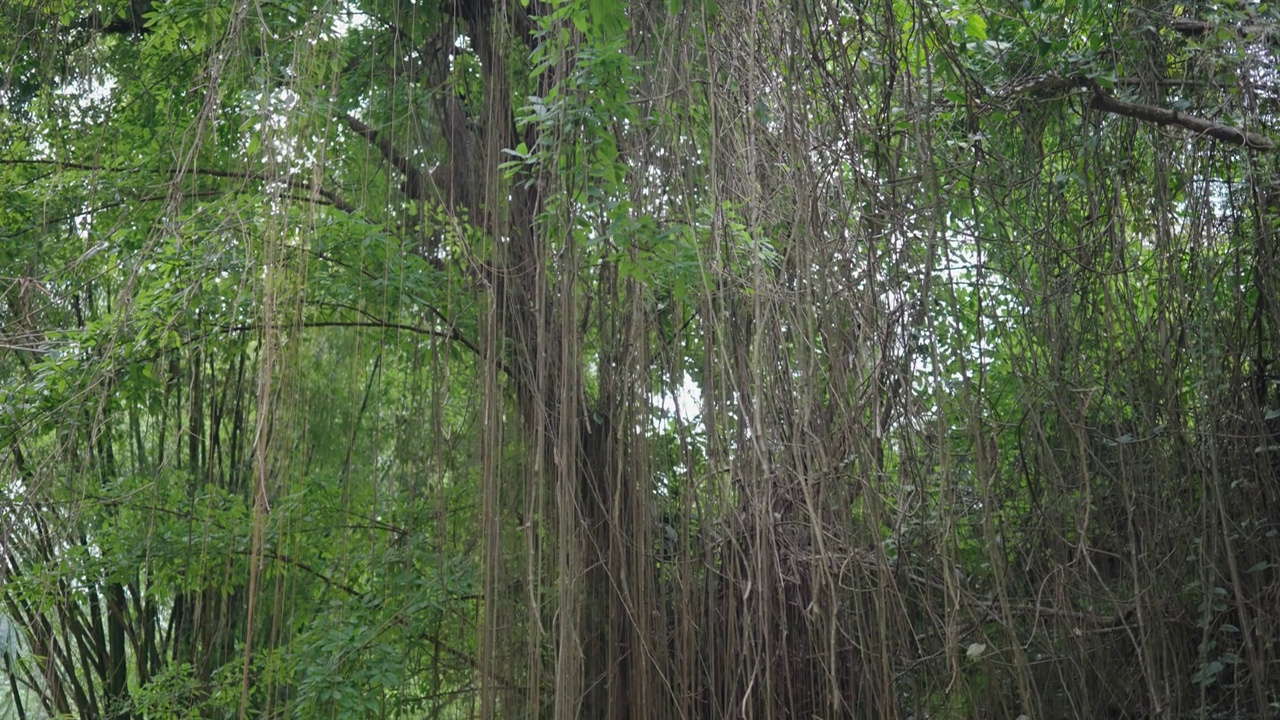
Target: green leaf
976,27
582,21
608,17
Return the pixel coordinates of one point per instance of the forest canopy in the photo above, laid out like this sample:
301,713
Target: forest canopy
604,359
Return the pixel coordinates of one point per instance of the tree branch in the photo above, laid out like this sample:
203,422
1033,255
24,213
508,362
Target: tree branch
415,181
452,335
1192,28
1161,116
1147,113
331,197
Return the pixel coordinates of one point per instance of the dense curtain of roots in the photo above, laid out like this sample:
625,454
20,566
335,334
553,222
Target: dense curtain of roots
991,465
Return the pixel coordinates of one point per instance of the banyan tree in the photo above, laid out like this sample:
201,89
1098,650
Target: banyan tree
602,359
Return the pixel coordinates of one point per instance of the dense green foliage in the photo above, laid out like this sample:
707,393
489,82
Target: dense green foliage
584,358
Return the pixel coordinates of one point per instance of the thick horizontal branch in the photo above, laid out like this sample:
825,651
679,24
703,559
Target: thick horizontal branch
329,197
368,324
1192,28
1161,116
141,199
452,335
1147,113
